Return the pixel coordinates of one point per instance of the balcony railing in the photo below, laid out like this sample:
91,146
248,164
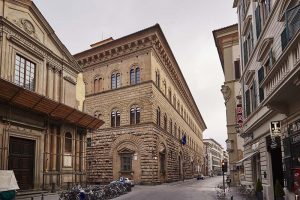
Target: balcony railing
290,57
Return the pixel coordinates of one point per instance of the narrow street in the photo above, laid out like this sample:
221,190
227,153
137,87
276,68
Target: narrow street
190,189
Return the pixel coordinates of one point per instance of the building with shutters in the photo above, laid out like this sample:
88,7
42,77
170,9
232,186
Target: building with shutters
227,43
214,154
42,126
135,85
269,38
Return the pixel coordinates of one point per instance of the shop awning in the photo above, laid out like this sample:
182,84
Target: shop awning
240,162
19,96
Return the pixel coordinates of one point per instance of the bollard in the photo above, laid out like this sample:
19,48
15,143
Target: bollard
231,198
42,198
296,197
31,198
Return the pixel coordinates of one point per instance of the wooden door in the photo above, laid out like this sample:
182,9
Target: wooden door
21,161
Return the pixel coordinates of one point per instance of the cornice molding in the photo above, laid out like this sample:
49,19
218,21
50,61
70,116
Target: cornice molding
69,79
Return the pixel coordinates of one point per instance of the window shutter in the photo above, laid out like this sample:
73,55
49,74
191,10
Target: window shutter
247,96
284,39
261,75
254,99
237,69
245,53
271,58
258,21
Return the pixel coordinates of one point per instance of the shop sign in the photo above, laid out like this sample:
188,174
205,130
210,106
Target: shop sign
239,115
294,127
275,128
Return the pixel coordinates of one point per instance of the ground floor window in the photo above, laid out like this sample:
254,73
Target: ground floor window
126,162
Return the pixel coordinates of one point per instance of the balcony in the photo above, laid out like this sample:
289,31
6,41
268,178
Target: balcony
282,83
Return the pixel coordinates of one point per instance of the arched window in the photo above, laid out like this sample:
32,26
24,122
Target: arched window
97,85
165,121
157,79
158,116
170,94
137,75
132,77
68,142
135,115
171,126
115,118
178,105
174,100
115,80
175,130
118,80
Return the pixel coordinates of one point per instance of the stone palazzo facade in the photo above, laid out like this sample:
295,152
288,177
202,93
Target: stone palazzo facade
135,85
42,126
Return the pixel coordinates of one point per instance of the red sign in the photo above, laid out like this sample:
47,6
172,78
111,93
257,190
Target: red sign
239,115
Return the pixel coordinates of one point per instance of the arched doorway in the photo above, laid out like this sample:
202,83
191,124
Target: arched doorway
126,162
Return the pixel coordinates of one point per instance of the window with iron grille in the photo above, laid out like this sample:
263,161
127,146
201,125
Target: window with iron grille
126,162
25,73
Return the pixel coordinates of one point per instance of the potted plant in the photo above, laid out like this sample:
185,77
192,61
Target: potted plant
279,193
259,190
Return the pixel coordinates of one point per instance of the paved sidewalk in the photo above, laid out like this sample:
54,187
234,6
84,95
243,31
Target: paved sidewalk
49,196
237,196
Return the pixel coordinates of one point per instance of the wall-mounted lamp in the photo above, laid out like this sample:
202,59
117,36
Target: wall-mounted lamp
265,174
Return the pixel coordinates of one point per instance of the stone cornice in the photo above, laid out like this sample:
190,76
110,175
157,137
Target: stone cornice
31,44
149,38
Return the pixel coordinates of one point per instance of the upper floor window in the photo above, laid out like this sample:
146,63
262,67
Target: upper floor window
135,115
165,87
171,126
115,118
68,142
175,130
250,99
157,79
97,85
248,45
25,73
158,116
178,105
165,122
88,142
261,76
174,100
170,94
237,69
135,76
115,80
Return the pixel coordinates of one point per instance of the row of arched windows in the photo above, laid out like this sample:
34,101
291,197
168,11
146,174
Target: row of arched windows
173,129
115,116
175,101
135,78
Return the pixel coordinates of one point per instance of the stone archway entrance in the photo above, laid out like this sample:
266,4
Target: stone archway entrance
126,162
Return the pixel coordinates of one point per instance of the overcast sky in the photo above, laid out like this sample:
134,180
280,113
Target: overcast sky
187,25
